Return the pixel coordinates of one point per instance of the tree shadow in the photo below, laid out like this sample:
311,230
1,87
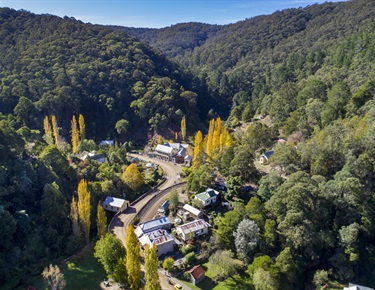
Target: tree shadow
238,282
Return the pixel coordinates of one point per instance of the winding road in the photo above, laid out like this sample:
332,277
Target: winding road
120,222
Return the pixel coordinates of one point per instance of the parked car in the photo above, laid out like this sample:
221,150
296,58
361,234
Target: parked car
178,287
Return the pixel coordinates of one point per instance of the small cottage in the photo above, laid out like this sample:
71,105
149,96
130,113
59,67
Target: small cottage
197,274
208,197
192,212
264,158
115,204
193,229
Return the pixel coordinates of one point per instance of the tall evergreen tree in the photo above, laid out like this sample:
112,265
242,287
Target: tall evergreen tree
101,221
133,263
84,209
151,269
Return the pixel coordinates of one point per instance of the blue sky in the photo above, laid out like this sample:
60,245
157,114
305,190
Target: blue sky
154,13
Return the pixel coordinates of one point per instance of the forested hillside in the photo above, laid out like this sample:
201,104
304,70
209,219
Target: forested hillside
248,62
177,39
53,70
311,70
63,67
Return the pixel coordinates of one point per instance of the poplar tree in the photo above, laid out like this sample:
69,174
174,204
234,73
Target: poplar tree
133,263
47,129
74,217
183,128
198,147
55,129
151,269
75,135
82,127
101,221
84,208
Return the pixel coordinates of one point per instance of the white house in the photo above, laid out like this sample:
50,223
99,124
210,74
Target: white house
208,197
153,225
107,143
93,156
192,211
115,204
264,158
193,229
175,152
161,239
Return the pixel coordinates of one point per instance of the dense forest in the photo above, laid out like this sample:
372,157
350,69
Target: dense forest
311,70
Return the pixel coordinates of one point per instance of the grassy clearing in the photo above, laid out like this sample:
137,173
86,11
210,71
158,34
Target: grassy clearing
208,283
85,272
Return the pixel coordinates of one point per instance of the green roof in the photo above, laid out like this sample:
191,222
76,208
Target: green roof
206,195
203,196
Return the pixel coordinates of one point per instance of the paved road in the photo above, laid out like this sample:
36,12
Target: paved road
121,221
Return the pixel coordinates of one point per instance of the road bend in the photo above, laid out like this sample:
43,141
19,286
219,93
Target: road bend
120,222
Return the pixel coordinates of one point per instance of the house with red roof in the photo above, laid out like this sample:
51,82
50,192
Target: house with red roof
197,274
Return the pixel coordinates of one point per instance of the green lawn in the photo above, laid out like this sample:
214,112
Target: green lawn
84,272
232,283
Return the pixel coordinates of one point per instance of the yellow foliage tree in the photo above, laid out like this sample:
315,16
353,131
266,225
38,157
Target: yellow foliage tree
132,177
133,263
84,208
47,129
101,221
151,269
74,217
183,128
55,129
198,147
82,127
75,135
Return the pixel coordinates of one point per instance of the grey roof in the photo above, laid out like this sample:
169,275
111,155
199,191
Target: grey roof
194,226
192,209
155,224
156,237
113,201
164,149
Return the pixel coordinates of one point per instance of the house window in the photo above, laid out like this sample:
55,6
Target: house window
111,207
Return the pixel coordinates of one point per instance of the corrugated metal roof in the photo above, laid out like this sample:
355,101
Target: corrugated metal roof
192,209
194,226
164,149
113,201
